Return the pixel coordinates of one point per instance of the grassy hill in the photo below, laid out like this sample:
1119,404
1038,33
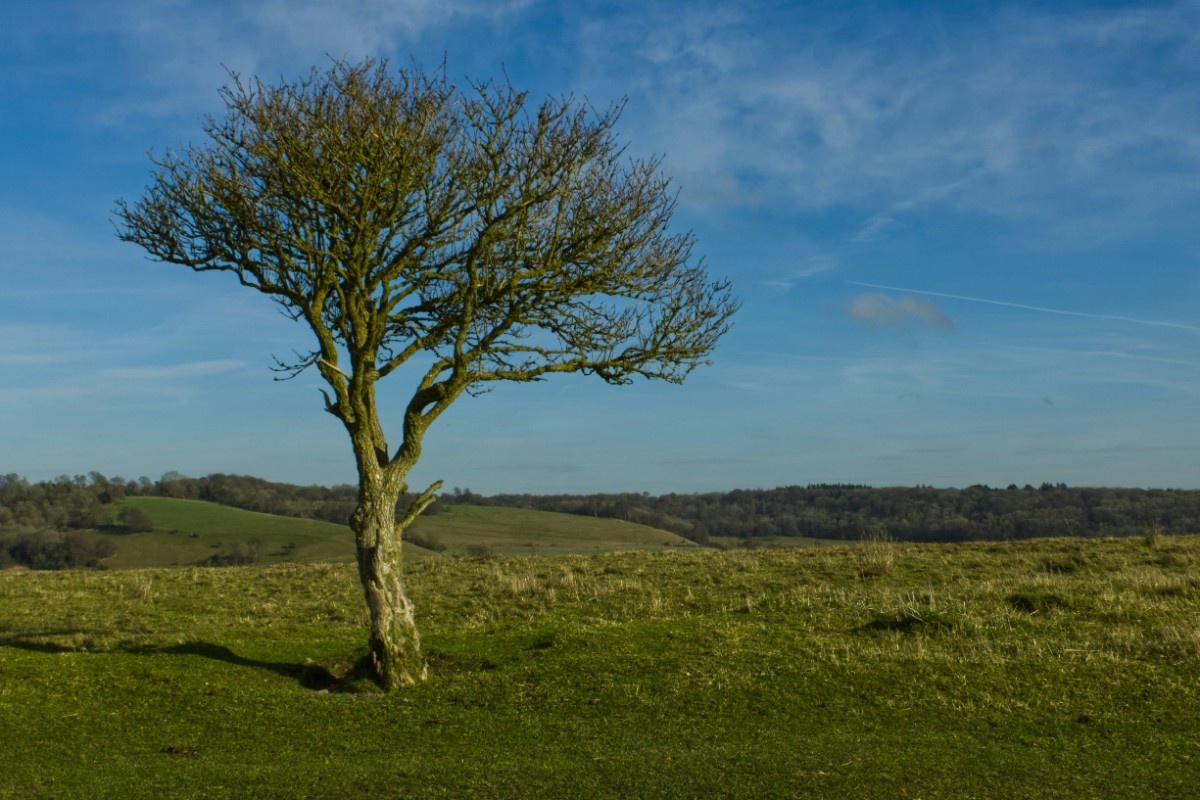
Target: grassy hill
190,531
517,531
1038,669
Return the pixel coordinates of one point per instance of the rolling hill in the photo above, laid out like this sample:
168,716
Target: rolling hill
192,531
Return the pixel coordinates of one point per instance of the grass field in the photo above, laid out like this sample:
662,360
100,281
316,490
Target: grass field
189,531
1040,669
515,531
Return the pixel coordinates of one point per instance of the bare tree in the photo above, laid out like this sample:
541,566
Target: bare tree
407,221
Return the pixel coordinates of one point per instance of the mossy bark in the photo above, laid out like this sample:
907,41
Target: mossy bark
394,642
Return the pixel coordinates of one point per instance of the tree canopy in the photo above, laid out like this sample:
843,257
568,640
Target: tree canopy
465,232
399,216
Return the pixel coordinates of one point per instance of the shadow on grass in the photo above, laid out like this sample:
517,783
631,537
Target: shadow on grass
310,676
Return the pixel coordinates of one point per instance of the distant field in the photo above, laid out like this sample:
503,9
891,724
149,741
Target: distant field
516,531
189,531
1043,670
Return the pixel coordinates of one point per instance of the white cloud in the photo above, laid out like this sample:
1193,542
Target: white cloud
178,51
926,312
364,26
1040,119
878,310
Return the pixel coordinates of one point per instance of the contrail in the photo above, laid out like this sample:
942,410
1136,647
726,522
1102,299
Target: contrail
1112,317
1101,354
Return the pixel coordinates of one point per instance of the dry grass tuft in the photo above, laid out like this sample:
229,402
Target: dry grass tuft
876,555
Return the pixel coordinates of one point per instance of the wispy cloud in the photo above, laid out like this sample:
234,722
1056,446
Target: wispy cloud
1090,367
40,344
1075,126
984,375
72,362
179,51
172,372
1041,309
142,386
365,26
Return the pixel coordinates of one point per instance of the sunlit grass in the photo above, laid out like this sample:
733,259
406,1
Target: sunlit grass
1056,668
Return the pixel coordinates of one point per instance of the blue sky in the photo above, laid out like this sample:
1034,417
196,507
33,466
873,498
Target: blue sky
966,236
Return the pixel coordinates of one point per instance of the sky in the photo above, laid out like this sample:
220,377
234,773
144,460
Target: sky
966,237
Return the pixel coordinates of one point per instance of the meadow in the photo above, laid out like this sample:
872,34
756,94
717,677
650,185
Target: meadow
1051,668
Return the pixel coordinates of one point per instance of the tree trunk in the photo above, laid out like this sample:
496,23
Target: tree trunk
395,645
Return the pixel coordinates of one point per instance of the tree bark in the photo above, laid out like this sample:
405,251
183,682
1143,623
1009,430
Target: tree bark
394,643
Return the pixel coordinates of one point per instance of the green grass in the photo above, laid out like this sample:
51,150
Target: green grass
1041,669
516,531
189,531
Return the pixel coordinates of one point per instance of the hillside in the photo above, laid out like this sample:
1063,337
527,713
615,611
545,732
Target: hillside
519,531
1047,670
191,531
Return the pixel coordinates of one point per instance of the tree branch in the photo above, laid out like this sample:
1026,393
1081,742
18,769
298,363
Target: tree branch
335,368
417,507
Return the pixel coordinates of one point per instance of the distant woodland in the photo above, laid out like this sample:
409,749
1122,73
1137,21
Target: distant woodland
45,524
921,514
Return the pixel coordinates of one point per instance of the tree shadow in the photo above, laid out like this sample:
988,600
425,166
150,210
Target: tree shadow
309,676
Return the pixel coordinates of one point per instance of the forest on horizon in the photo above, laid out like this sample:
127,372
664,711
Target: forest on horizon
48,517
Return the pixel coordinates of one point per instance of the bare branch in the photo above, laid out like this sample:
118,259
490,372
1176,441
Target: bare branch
289,370
417,507
334,367
397,216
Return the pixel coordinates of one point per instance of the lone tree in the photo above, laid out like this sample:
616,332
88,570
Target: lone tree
407,221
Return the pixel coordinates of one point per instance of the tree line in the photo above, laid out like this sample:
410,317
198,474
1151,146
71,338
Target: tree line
917,514
43,524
